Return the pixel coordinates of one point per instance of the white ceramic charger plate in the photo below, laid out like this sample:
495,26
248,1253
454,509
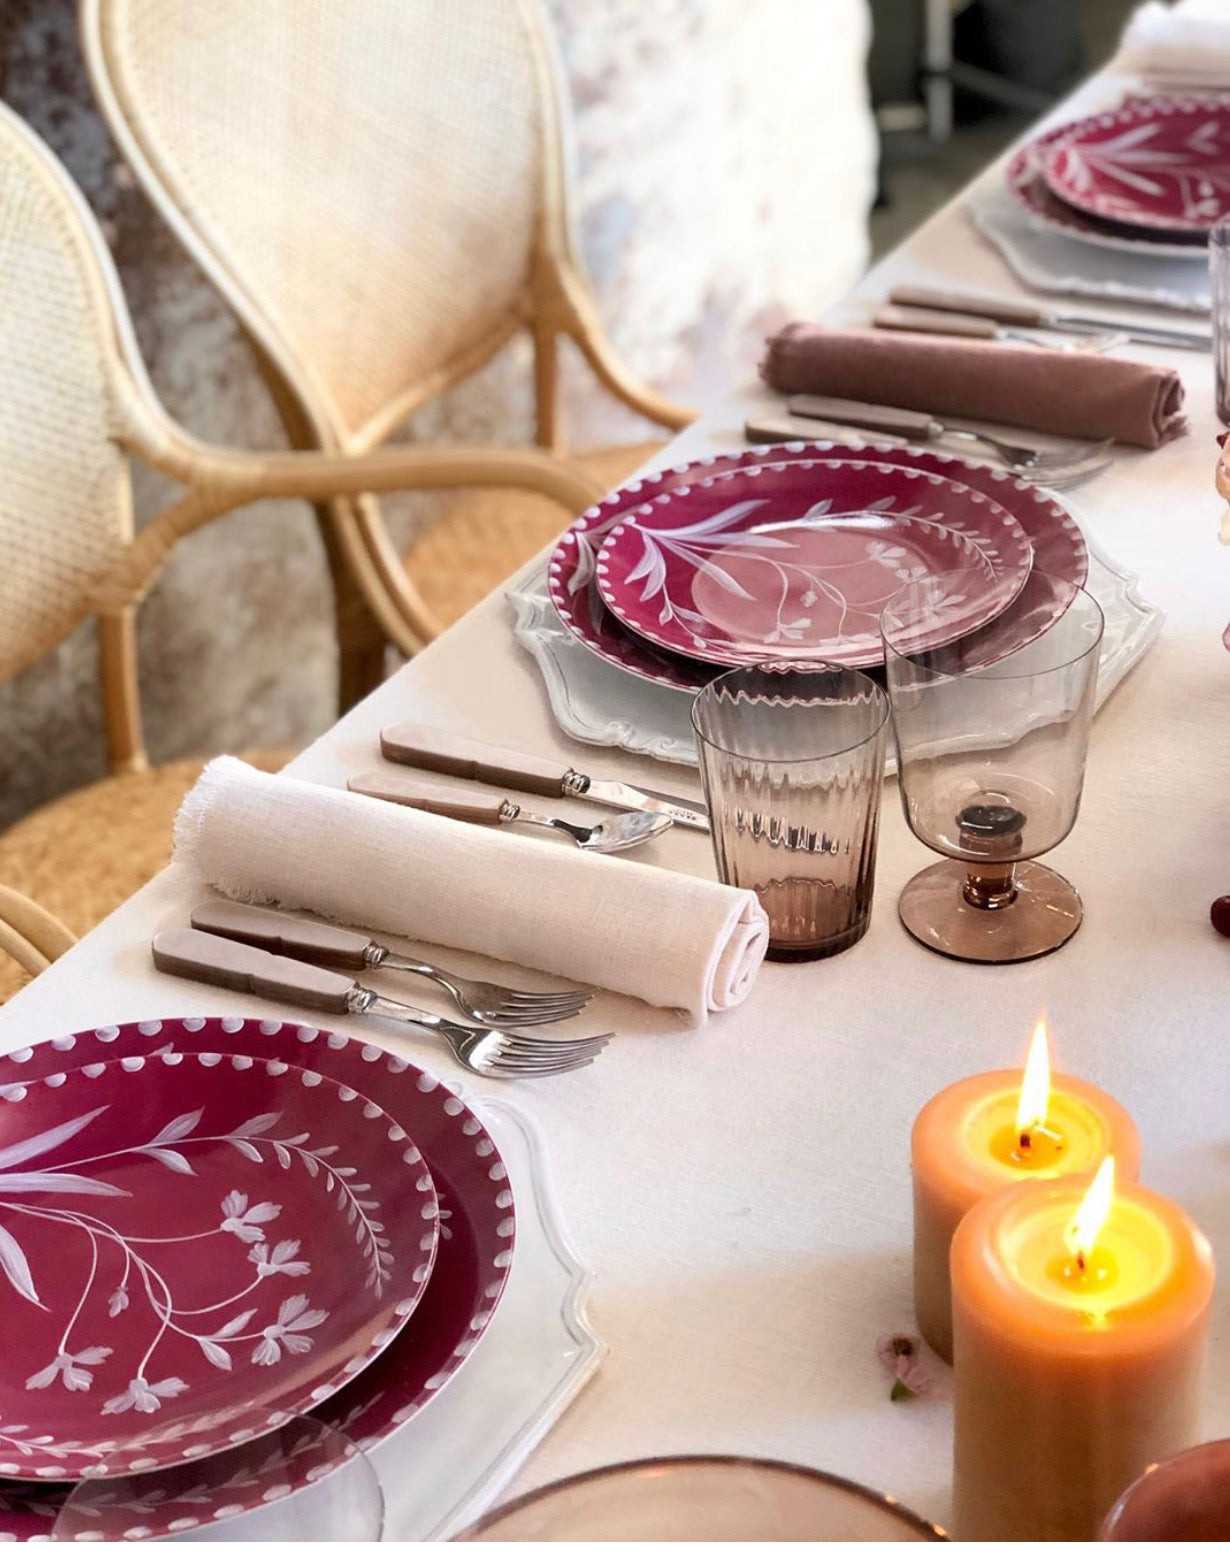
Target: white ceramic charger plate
595,702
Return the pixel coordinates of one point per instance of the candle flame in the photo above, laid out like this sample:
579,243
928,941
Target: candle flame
1036,1085
1081,1235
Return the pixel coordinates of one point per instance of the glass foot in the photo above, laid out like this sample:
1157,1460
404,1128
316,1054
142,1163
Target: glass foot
1044,913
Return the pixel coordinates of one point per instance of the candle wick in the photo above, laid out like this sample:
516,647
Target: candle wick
1026,1142
1080,1261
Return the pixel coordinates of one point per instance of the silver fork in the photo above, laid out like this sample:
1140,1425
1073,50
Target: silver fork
496,1053
488,1002
918,426
324,943
1019,457
791,429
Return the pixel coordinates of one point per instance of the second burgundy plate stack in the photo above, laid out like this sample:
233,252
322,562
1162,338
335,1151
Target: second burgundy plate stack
791,552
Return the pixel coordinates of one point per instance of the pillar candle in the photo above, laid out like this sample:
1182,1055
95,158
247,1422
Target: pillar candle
967,1142
1074,1369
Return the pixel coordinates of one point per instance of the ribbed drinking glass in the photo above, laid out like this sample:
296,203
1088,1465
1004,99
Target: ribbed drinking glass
792,759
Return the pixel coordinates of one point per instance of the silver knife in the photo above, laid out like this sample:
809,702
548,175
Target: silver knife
431,749
1007,310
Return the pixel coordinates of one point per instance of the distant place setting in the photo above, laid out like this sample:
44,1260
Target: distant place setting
676,836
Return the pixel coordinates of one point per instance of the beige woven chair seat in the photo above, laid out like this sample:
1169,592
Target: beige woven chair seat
82,855
481,537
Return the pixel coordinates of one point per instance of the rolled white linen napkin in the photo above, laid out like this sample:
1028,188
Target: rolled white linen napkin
1183,44
669,939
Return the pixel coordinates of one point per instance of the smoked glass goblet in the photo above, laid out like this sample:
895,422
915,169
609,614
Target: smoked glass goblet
992,731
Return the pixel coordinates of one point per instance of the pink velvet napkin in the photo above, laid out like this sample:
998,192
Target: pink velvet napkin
1069,393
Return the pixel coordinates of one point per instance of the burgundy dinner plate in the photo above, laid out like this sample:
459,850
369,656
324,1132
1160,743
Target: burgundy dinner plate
476,1219
1058,545
1163,164
185,1238
797,560
1028,186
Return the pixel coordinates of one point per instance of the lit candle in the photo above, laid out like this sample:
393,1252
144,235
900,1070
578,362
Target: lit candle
1079,1317
985,1133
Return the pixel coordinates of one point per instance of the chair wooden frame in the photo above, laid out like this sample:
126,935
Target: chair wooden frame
217,480
30,935
556,301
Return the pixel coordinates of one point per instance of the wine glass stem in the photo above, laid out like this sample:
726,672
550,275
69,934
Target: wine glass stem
990,886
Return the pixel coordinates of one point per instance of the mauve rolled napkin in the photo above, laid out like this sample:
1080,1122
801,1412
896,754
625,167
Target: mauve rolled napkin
1069,393
682,943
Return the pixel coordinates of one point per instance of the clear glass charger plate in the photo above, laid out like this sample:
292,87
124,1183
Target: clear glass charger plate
596,703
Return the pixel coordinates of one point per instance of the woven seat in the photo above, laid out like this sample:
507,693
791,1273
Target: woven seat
483,537
76,407
82,855
380,191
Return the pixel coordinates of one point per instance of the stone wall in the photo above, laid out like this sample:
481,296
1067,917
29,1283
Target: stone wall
724,159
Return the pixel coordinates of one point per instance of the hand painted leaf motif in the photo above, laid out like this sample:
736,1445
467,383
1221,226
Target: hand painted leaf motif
724,580
259,1124
44,1142
818,509
171,1159
179,1128
235,1324
17,1269
215,1353
15,1183
248,1150
720,521
652,568
763,542
585,565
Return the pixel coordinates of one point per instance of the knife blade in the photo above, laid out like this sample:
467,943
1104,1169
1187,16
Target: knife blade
1008,310
432,749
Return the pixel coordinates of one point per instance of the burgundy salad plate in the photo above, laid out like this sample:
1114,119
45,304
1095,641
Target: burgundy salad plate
797,560
1162,164
1026,180
476,1237
1058,546
187,1237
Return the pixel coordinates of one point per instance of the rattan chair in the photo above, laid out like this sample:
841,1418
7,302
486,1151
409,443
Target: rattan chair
75,406
379,190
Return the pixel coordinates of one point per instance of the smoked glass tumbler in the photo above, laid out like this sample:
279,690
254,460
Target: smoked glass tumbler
992,731
792,758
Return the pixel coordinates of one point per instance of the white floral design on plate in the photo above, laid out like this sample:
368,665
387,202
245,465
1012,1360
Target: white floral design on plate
239,1223
728,587
1162,165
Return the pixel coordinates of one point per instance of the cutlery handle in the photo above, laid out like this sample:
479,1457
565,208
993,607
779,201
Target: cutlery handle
792,428
926,320
280,933
872,417
431,797
1002,309
431,749
184,951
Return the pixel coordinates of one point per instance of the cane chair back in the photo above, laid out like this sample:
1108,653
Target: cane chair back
65,511
379,190
367,183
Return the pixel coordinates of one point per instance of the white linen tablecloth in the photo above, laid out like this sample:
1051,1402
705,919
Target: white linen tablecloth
743,1191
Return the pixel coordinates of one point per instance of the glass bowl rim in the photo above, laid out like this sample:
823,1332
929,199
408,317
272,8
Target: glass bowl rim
794,666
884,1501
1054,668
